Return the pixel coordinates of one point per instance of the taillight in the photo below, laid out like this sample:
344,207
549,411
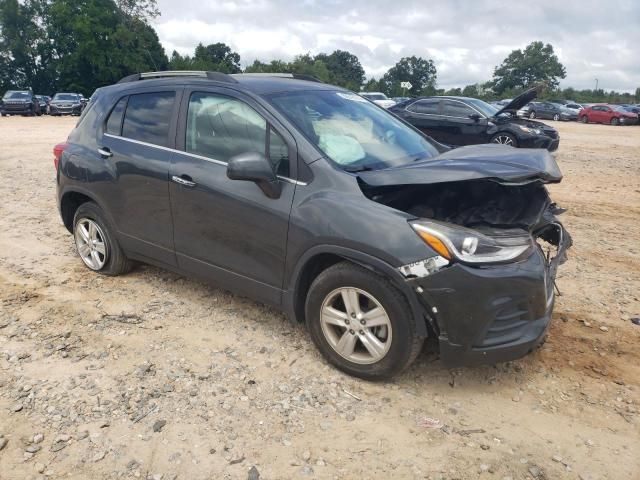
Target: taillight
57,153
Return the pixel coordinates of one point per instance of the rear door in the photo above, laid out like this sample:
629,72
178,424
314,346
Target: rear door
458,126
137,143
425,115
227,230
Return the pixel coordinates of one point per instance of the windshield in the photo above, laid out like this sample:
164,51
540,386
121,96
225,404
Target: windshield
67,97
16,95
375,96
486,109
351,131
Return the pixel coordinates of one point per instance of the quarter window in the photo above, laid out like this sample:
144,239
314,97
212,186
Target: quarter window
147,117
114,123
427,107
221,127
456,109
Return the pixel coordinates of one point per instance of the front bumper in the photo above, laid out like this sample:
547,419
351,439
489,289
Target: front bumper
541,141
16,109
65,110
494,313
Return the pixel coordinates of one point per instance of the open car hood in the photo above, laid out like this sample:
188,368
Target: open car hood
505,165
519,102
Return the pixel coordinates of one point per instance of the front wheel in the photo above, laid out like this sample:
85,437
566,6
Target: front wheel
584,119
532,114
615,121
96,243
504,139
556,117
361,322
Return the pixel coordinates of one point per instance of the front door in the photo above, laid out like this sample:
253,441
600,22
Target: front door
226,230
462,125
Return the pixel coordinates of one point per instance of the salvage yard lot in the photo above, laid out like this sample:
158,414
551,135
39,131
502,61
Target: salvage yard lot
97,364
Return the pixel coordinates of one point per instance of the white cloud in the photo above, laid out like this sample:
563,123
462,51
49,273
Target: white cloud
465,38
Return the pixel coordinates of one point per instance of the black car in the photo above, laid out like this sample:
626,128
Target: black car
310,198
66,104
44,100
551,111
19,102
457,121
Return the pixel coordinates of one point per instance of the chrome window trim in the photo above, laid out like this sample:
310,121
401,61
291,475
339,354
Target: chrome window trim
193,155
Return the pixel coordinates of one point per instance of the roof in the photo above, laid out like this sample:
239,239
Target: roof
260,84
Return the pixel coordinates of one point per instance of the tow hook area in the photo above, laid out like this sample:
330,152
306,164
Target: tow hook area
423,268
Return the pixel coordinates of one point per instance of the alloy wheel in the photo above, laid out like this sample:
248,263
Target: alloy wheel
503,140
532,114
90,242
356,325
556,117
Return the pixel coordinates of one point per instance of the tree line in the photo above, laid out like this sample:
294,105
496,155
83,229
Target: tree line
80,45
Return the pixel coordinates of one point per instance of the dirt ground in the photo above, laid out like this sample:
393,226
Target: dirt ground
153,375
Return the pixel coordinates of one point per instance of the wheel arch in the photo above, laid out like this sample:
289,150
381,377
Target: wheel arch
319,258
71,200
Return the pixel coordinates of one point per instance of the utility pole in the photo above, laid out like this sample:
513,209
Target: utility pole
596,84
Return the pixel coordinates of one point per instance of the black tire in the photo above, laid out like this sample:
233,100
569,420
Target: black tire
556,117
500,136
584,119
116,262
532,114
615,121
405,344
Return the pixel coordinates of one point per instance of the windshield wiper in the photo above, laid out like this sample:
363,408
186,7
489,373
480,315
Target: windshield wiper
361,168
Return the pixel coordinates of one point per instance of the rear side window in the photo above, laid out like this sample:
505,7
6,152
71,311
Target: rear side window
427,107
114,123
148,116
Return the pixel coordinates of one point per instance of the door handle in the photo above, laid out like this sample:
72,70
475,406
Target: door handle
105,152
183,180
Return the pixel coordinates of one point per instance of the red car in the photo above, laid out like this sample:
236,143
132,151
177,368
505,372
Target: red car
612,114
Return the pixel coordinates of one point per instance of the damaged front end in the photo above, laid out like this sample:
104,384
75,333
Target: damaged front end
488,292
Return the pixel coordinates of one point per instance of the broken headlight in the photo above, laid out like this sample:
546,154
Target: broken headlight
471,246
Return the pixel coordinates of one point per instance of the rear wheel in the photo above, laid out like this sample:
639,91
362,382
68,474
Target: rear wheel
532,114
615,121
96,243
504,138
361,322
584,119
556,117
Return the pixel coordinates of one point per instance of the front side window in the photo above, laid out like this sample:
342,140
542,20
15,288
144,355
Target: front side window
456,109
426,107
221,127
147,117
351,131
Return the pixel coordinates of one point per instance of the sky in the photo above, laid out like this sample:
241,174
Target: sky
466,39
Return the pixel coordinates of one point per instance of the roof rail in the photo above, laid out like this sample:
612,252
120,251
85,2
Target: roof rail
217,76
297,76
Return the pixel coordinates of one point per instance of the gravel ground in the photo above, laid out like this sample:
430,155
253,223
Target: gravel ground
152,375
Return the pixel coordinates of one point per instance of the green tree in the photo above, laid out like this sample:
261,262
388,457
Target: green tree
344,68
471,91
537,63
372,85
420,72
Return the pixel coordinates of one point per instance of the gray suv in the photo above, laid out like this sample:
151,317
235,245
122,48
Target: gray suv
308,197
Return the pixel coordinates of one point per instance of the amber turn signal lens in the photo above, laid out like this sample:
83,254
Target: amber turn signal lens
435,243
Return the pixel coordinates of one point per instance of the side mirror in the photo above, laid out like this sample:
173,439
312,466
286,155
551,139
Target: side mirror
255,167
475,117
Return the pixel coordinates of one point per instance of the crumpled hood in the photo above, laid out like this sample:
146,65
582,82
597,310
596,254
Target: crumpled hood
520,101
506,165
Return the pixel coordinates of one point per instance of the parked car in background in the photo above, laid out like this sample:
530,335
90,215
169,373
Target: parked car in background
458,121
302,195
65,104
19,102
44,100
400,99
551,111
575,107
501,103
378,98
611,114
